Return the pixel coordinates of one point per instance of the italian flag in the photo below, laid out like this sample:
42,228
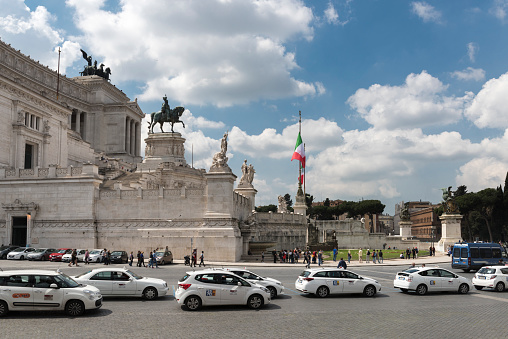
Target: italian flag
299,153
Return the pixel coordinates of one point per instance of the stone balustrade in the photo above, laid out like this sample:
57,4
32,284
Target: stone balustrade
51,172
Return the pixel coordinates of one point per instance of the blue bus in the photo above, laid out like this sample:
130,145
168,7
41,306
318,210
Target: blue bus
473,256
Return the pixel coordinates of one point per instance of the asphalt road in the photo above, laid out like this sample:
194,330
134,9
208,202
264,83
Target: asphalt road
390,314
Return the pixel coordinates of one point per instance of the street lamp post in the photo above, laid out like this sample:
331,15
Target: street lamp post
432,240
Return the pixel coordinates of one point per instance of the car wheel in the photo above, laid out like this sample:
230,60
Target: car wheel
369,291
255,301
4,309
463,288
98,260
500,287
22,258
193,303
150,293
273,292
322,291
75,308
404,290
479,288
421,289
162,262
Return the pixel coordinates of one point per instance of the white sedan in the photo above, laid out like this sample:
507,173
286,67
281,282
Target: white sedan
274,286
218,287
430,279
20,253
325,281
123,282
495,277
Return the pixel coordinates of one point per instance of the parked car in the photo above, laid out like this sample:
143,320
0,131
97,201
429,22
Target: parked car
57,256
41,254
4,250
20,253
123,282
95,255
274,286
80,255
164,257
119,257
495,277
430,279
325,281
215,287
39,290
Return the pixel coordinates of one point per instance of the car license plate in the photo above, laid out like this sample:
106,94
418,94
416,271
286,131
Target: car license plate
402,278
482,277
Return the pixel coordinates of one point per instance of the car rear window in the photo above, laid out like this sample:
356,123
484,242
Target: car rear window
411,270
185,277
305,274
487,270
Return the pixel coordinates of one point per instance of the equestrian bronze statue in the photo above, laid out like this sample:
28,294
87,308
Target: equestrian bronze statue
166,114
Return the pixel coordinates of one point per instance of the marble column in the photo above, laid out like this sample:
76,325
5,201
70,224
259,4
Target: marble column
138,138
133,137
127,135
78,122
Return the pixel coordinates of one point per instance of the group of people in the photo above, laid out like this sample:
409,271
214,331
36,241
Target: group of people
74,258
285,256
377,256
152,259
194,258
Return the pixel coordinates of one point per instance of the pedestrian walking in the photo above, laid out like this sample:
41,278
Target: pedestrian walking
274,253
374,256
360,255
87,257
131,258
367,256
380,257
202,259
349,257
342,264
142,259
139,259
335,254
154,260
194,258
320,257
263,256
73,258
307,257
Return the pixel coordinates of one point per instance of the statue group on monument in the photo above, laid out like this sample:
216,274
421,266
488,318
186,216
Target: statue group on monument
93,70
166,114
247,174
220,159
449,204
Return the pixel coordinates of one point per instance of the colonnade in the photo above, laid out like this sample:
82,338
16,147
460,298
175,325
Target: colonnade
132,137
78,122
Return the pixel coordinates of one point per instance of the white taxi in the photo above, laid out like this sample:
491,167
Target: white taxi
39,290
217,287
430,279
123,282
274,286
495,277
325,281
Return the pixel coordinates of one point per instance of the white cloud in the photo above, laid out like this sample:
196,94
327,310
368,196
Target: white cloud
480,173
210,52
488,109
331,14
470,73
499,9
419,102
425,11
472,49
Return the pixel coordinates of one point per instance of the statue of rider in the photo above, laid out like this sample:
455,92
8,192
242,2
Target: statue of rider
165,109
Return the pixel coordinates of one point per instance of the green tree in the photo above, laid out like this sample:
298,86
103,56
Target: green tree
327,202
289,202
308,201
267,208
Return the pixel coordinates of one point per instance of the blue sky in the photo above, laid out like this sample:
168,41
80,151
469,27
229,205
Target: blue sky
398,98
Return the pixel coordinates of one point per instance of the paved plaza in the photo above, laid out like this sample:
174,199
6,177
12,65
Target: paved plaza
391,314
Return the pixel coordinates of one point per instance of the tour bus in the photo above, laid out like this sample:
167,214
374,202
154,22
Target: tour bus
473,256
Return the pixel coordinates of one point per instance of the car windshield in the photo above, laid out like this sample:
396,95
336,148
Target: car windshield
487,270
63,280
61,251
20,249
95,252
159,254
305,274
39,250
117,253
3,248
134,275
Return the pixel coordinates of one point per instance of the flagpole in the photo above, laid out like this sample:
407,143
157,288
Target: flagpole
299,133
304,175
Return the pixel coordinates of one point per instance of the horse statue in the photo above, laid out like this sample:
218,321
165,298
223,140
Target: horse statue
167,115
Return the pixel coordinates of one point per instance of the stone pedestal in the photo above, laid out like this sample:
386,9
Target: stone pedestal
163,147
405,229
249,192
450,231
219,195
300,207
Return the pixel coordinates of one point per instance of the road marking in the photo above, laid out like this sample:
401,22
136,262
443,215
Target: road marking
490,297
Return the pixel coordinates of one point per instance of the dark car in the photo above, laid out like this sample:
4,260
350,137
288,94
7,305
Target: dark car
4,250
41,254
119,257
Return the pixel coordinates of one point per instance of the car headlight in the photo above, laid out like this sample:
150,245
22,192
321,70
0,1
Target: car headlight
264,289
92,294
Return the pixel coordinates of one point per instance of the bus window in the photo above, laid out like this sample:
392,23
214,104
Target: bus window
475,253
456,252
486,253
463,253
496,253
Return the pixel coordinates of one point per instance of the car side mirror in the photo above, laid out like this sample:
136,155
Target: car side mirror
53,285
239,284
